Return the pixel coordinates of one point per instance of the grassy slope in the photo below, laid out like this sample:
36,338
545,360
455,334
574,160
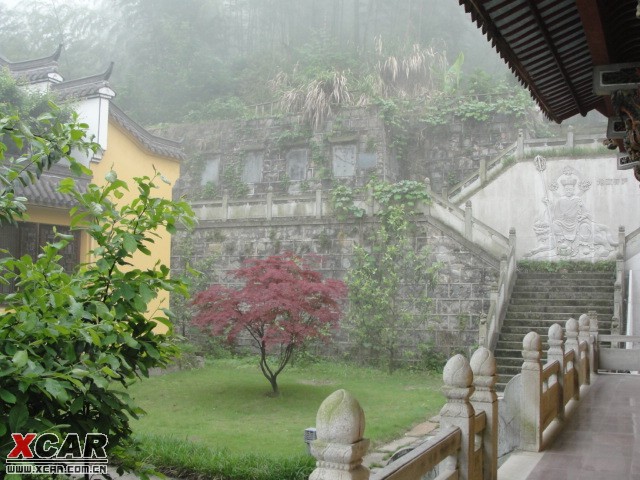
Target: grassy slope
225,406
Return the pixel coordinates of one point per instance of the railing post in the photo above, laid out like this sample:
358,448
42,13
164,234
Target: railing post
270,202
482,330
617,301
570,137
584,336
484,399
556,353
531,429
458,412
225,205
520,145
340,446
468,221
594,332
427,186
621,242
319,203
571,328
512,239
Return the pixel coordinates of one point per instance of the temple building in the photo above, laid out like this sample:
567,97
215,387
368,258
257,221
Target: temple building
125,147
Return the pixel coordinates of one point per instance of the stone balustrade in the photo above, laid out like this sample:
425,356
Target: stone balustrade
548,390
466,446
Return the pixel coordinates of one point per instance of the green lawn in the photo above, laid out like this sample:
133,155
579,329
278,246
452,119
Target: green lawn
225,405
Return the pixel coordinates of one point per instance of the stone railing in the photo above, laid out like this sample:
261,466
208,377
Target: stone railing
616,353
619,287
488,170
541,394
316,205
465,448
491,324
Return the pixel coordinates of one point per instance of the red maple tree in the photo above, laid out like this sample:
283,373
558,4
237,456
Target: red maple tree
283,304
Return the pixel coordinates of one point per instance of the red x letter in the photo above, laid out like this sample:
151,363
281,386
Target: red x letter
22,445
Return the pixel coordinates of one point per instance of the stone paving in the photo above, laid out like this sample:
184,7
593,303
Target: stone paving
601,441
379,456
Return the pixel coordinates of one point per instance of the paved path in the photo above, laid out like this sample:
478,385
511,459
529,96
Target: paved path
601,441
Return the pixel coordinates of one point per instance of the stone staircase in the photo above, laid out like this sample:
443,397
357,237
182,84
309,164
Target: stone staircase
539,300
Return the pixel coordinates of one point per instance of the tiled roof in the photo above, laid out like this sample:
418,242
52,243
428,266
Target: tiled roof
44,192
84,87
151,143
34,71
553,45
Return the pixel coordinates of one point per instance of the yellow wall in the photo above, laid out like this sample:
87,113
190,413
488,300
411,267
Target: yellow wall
128,160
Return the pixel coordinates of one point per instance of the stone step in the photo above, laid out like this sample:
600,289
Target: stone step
588,282
512,318
552,294
552,306
563,302
564,276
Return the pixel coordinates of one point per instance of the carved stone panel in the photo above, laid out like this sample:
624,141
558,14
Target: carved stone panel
297,163
344,160
252,168
211,172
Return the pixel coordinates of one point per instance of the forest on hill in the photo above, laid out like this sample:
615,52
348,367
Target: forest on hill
192,60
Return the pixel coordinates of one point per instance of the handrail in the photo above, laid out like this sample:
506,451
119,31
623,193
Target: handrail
423,458
500,295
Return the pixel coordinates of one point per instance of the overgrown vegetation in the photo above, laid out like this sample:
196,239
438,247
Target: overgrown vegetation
67,339
566,266
390,278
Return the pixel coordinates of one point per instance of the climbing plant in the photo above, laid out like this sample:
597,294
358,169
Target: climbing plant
390,279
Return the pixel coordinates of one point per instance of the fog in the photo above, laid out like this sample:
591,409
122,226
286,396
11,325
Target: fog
180,60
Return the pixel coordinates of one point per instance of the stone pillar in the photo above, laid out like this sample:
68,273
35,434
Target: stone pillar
531,431
617,302
621,242
319,203
340,446
468,221
458,412
512,238
482,330
484,399
427,203
583,336
571,328
594,331
225,205
520,145
570,137
556,353
270,202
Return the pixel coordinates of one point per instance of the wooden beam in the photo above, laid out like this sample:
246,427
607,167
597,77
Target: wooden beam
592,23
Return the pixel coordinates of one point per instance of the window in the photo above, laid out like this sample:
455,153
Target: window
211,172
252,169
344,160
28,239
297,163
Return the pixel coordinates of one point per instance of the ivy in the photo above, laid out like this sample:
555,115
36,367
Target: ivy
232,181
342,203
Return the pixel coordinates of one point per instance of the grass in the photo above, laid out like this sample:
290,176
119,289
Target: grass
225,405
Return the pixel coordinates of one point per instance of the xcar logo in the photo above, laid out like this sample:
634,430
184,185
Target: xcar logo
47,454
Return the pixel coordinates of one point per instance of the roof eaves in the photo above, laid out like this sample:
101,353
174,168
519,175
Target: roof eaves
151,143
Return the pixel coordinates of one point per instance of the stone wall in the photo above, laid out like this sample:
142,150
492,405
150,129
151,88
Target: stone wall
285,154
461,296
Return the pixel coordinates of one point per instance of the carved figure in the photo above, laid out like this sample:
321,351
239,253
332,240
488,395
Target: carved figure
566,227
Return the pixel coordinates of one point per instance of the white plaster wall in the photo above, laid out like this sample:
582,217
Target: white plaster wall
515,199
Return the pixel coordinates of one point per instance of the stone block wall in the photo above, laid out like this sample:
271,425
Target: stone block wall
460,297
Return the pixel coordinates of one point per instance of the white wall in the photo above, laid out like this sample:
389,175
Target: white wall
583,226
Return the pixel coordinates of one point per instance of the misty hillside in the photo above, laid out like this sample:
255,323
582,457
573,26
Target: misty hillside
201,59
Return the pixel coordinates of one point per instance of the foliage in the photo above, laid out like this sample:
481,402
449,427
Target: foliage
69,341
282,305
479,100
566,266
394,113
342,203
190,460
389,281
34,134
232,181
